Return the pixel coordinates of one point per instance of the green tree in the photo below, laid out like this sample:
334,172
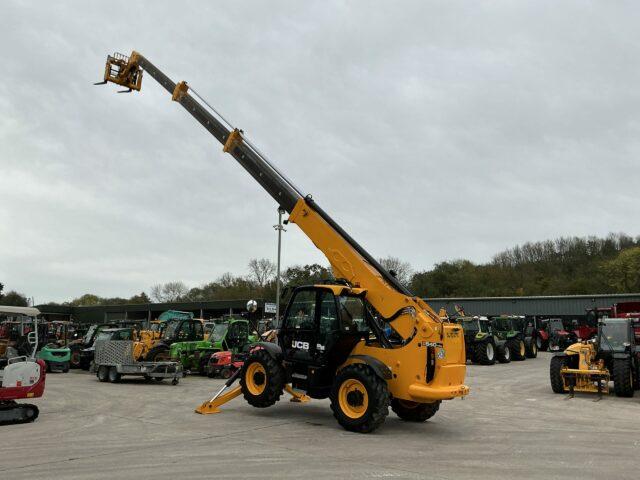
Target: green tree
623,272
14,299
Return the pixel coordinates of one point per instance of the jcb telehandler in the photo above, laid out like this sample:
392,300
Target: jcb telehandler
365,342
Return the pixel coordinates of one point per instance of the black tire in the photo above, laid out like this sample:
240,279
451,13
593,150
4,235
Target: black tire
267,380
556,365
485,354
622,377
542,344
103,373
518,349
531,347
159,353
75,361
504,353
377,399
114,376
226,373
413,411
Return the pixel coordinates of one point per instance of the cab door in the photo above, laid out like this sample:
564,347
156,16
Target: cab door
299,328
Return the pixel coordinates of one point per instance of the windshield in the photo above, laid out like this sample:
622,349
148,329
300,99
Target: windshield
103,336
89,334
171,328
471,326
502,323
555,324
614,335
218,332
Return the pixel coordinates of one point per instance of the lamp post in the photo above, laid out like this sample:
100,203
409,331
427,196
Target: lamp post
280,229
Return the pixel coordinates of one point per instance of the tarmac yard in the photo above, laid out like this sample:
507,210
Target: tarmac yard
511,426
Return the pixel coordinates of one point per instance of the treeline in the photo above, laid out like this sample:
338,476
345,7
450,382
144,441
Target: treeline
564,266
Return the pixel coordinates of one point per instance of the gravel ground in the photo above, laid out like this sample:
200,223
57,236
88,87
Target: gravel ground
510,426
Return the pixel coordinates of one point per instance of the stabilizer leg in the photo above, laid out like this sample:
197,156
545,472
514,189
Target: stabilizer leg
212,405
219,398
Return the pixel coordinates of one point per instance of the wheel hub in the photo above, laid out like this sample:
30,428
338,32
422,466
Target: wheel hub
258,378
355,398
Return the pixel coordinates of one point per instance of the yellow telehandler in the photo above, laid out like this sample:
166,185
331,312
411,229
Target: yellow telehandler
364,341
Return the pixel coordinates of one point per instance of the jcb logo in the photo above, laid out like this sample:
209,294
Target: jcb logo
300,345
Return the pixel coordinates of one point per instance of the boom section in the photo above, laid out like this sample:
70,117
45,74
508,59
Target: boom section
348,259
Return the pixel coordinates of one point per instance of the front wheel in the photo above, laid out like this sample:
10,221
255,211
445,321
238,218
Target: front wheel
504,353
622,377
359,399
485,353
103,373
262,379
158,354
555,374
414,411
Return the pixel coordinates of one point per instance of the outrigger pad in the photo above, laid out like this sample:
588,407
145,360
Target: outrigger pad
212,405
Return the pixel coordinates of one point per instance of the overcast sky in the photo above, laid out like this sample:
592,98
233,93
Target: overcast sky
430,130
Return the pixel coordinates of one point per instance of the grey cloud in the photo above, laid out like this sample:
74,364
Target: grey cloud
430,130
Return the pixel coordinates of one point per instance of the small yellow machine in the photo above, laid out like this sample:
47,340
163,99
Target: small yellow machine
579,369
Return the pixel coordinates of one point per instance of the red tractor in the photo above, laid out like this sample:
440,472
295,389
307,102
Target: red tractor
224,364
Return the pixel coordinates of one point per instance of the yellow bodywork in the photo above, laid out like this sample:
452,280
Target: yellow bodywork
591,374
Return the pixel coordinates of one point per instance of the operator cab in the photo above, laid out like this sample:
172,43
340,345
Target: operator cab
618,334
321,326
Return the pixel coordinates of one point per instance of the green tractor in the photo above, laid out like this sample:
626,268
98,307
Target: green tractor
232,335
176,330
506,328
482,345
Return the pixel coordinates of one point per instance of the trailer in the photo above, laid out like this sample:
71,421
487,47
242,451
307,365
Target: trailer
114,359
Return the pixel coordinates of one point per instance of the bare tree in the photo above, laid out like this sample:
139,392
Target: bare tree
399,269
262,270
169,292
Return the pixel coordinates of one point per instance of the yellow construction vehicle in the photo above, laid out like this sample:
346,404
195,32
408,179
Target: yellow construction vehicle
364,341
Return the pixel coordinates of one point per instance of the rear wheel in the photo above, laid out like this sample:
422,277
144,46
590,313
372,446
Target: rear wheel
262,379
103,373
542,344
504,353
226,373
359,399
518,349
485,354
158,354
531,348
114,376
555,375
413,411
622,377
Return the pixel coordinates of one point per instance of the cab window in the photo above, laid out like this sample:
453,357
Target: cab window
302,310
352,314
328,316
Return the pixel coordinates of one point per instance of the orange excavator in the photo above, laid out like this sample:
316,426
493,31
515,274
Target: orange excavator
364,341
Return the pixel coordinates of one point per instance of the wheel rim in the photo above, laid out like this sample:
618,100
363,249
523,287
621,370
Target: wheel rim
507,353
490,351
534,348
538,342
75,358
522,349
353,398
255,378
